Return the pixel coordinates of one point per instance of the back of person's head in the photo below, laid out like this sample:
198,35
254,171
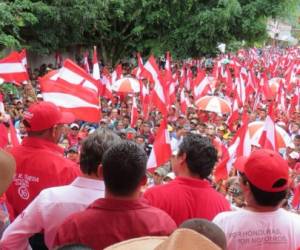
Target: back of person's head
267,175
93,148
124,167
201,155
74,247
207,229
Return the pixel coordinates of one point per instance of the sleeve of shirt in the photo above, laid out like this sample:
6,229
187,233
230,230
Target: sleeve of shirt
29,222
67,233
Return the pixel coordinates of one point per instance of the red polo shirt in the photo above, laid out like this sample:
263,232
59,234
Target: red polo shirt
185,198
40,165
108,221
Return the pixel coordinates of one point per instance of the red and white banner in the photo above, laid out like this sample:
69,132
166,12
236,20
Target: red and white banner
134,113
12,69
158,93
73,90
241,146
161,151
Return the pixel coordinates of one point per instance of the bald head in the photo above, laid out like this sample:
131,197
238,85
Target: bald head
207,229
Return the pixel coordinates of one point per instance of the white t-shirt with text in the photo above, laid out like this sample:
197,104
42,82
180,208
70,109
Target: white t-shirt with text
247,230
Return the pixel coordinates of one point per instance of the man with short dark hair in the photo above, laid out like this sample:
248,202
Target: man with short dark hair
262,224
122,214
49,209
190,195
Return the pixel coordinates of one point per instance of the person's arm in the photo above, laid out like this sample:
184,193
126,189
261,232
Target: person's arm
7,169
28,223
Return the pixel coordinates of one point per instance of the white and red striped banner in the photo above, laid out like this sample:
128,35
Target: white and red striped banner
161,151
73,90
12,69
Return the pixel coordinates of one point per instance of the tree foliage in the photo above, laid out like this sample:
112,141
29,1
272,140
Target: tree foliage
187,28
14,16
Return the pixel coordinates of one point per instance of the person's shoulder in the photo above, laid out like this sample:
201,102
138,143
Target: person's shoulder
288,214
229,215
160,188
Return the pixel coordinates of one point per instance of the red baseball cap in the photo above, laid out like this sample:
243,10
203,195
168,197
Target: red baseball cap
264,168
44,115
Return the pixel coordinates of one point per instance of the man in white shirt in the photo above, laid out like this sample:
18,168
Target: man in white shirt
263,224
49,209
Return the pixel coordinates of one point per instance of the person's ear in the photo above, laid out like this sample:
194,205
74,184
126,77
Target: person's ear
181,158
100,172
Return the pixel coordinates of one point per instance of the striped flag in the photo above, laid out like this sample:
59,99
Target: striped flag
161,151
73,90
12,69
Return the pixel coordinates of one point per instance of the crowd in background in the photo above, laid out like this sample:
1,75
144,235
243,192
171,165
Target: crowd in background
116,117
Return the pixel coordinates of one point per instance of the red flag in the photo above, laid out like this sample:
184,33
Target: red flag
12,69
161,151
241,146
158,92
96,69
184,102
73,90
201,85
268,138
23,57
134,113
58,60
86,64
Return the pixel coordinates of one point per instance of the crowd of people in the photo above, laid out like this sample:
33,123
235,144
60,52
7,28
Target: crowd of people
72,184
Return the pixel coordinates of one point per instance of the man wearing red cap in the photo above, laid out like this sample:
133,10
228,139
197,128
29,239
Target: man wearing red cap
40,162
263,224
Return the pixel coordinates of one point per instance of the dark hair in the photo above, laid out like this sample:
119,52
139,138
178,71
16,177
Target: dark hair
297,137
124,166
93,148
207,229
263,198
201,155
74,247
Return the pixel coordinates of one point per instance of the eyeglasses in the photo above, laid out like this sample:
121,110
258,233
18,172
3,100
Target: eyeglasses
74,128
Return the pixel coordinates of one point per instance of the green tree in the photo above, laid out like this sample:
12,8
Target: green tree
14,16
188,28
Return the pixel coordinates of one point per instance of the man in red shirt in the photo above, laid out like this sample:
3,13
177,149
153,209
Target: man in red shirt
190,195
39,161
122,214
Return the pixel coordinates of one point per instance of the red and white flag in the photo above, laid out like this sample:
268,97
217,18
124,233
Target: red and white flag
241,146
201,85
140,67
145,100
58,60
23,58
96,69
86,64
134,113
161,151
2,110
106,81
158,92
184,101
268,137
12,69
73,90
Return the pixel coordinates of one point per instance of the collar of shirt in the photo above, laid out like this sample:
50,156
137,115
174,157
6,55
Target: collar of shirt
83,182
35,142
115,204
190,181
